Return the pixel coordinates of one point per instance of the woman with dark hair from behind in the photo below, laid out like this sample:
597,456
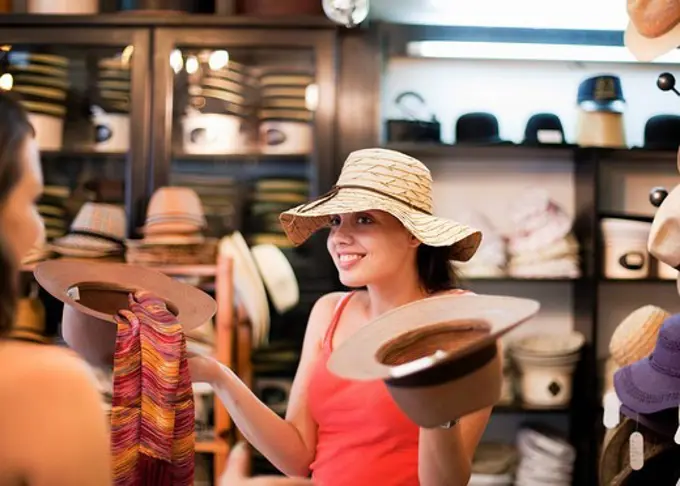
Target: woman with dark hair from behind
52,426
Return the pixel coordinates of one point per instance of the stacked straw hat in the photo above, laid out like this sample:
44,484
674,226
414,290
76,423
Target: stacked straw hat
173,231
98,231
41,79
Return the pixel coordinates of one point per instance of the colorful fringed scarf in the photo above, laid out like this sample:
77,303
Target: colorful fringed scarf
152,414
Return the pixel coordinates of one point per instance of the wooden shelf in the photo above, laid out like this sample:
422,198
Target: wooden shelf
520,409
212,447
519,280
509,151
188,20
246,157
505,151
81,154
174,270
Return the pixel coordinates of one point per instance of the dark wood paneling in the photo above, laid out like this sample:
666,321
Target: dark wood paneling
359,88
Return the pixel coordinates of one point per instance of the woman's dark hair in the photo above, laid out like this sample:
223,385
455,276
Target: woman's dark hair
14,128
435,270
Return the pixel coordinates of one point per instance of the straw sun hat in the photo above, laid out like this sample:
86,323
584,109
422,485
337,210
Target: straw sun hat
386,180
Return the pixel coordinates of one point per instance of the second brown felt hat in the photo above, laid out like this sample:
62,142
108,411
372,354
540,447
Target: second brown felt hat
432,352
93,293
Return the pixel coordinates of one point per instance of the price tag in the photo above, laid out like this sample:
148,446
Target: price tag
637,451
74,293
612,408
549,136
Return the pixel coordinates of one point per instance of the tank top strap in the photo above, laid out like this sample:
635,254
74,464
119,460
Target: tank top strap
328,338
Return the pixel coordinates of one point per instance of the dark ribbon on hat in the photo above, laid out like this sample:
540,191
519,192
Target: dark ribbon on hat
447,371
99,236
336,189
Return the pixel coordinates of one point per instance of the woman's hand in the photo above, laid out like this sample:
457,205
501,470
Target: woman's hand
203,369
237,467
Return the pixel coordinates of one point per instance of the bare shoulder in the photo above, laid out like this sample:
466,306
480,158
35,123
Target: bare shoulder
321,315
36,364
49,394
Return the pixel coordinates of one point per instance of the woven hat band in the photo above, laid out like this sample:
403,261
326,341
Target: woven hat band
329,195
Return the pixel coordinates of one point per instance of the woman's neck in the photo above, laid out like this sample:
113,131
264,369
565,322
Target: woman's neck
385,296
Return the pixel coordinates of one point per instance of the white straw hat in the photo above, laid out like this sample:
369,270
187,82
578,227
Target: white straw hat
386,180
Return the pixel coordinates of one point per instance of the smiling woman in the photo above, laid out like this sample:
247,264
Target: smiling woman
383,238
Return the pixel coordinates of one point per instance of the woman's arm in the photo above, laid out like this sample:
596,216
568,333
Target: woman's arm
290,444
445,455
54,430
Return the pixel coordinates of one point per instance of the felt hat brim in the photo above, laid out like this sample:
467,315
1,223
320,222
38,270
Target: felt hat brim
458,325
100,290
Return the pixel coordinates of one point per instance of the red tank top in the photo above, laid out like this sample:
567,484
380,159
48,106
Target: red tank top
363,438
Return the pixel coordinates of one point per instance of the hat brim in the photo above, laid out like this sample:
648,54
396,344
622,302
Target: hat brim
302,221
645,49
663,423
643,389
193,306
357,358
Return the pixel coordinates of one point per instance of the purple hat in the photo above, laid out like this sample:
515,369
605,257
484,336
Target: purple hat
652,384
664,423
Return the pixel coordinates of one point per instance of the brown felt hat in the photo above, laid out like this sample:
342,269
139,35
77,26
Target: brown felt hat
432,352
93,293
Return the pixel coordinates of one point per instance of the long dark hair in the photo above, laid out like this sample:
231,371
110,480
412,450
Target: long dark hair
435,270
14,129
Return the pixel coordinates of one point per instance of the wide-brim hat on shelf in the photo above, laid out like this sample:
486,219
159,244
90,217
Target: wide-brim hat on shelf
652,384
278,276
390,181
93,293
653,29
432,352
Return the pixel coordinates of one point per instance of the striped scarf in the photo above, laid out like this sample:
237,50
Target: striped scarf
152,413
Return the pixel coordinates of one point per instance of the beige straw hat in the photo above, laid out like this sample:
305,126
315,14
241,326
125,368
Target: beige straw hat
386,180
635,337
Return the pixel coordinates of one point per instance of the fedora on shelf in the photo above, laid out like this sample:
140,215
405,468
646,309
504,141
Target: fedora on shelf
98,230
93,293
431,352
